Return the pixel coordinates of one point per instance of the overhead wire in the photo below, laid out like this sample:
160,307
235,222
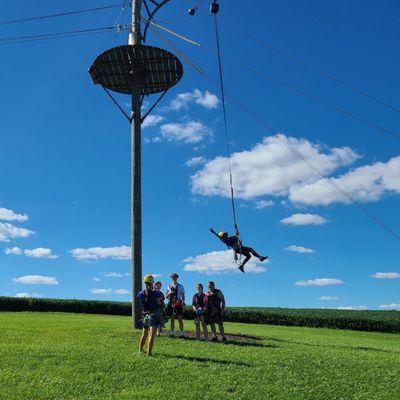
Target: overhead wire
63,14
314,98
278,137
57,35
318,70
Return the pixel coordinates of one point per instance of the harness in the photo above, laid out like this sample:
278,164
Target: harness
173,296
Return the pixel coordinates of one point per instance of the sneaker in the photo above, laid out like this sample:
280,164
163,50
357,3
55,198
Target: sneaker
214,339
224,339
171,335
263,258
181,336
241,268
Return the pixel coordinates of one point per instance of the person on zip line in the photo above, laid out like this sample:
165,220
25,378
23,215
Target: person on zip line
233,242
150,301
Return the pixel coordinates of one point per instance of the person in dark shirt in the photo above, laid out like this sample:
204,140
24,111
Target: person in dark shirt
157,288
215,310
150,301
234,243
199,308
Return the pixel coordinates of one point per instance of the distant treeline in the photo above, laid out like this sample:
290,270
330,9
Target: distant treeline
372,321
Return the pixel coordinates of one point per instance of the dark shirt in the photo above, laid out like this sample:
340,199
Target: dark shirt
231,241
199,300
149,301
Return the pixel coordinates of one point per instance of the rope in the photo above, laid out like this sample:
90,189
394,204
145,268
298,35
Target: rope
228,152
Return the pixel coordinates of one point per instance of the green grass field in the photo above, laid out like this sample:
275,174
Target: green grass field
78,356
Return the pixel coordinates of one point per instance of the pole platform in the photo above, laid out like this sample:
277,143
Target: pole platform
156,69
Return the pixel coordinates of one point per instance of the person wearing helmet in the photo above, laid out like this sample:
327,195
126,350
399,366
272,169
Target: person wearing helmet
234,243
150,301
199,307
215,310
176,302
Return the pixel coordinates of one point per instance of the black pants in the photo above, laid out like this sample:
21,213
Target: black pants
247,252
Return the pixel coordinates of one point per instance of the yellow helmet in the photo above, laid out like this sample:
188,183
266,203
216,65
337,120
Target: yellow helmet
221,234
148,279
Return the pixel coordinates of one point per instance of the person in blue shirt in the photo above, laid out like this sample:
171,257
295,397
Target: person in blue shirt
150,301
234,243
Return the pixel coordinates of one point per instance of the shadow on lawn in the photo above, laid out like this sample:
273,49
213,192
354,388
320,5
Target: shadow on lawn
208,360
333,346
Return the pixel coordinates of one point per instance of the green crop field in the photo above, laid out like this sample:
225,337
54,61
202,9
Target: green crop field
78,356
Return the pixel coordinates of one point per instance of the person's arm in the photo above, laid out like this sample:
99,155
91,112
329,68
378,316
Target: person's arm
183,294
222,297
214,233
193,305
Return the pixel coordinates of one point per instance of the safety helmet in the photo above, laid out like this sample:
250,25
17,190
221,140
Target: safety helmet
222,234
148,279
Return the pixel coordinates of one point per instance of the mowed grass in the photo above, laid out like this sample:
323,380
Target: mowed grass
78,356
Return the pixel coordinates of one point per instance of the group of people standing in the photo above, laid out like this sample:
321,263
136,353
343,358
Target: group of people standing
208,309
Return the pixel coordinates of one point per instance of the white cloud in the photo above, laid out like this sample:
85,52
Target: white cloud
320,282
122,291
155,276
9,231
101,291
259,205
365,183
299,249
36,280
9,215
205,99
193,162
328,298
269,168
96,279
386,275
392,306
96,253
14,250
186,132
219,262
304,219
152,120
113,275
40,252
355,308
22,295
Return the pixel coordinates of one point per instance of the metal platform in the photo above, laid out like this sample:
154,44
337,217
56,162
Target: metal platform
156,69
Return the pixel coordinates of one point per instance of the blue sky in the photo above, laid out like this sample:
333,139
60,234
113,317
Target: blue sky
65,158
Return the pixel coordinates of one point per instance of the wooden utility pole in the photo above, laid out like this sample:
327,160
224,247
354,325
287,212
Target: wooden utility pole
137,70
136,174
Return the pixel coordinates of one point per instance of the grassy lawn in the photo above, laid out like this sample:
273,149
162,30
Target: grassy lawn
77,356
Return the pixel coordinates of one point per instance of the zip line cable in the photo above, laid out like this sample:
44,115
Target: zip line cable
29,19
46,36
314,98
228,151
316,69
278,137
